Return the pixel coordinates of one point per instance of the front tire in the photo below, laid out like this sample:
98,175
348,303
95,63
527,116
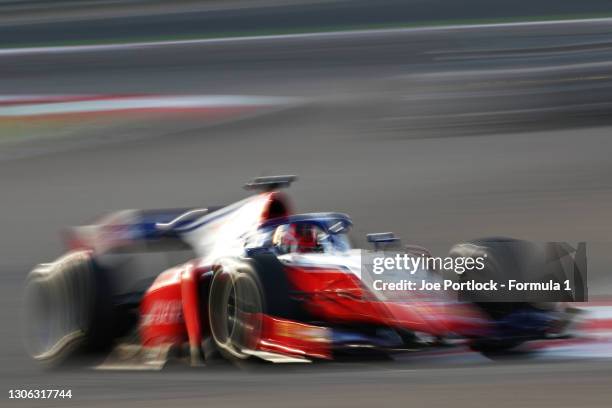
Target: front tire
241,292
507,257
235,307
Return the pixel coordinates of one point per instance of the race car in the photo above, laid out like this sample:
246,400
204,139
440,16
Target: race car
246,281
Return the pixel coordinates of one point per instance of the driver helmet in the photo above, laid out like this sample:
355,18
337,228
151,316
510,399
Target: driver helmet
297,237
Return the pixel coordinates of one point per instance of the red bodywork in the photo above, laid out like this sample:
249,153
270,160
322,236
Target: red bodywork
174,309
172,312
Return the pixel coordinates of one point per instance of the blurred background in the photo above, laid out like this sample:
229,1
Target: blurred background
440,120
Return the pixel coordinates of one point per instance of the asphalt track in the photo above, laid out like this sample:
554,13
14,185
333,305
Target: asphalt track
439,135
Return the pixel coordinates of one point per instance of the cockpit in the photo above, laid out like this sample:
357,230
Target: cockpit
307,233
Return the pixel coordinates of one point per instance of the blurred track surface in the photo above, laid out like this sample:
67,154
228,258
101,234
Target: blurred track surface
438,135
211,18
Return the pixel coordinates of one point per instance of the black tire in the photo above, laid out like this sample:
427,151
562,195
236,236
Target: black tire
505,257
510,258
67,309
242,290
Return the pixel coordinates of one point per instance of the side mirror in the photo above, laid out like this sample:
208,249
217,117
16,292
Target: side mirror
383,240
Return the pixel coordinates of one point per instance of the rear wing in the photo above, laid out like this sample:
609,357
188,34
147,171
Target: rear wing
135,231
166,229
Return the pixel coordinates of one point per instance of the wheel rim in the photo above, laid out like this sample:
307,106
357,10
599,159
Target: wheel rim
231,311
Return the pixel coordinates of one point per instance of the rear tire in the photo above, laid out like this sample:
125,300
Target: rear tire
67,309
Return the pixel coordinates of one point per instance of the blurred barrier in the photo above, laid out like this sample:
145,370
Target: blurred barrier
80,3
111,20
64,3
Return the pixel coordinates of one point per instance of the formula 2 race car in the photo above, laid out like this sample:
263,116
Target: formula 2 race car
250,280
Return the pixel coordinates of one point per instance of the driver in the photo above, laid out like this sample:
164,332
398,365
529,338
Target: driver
298,237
